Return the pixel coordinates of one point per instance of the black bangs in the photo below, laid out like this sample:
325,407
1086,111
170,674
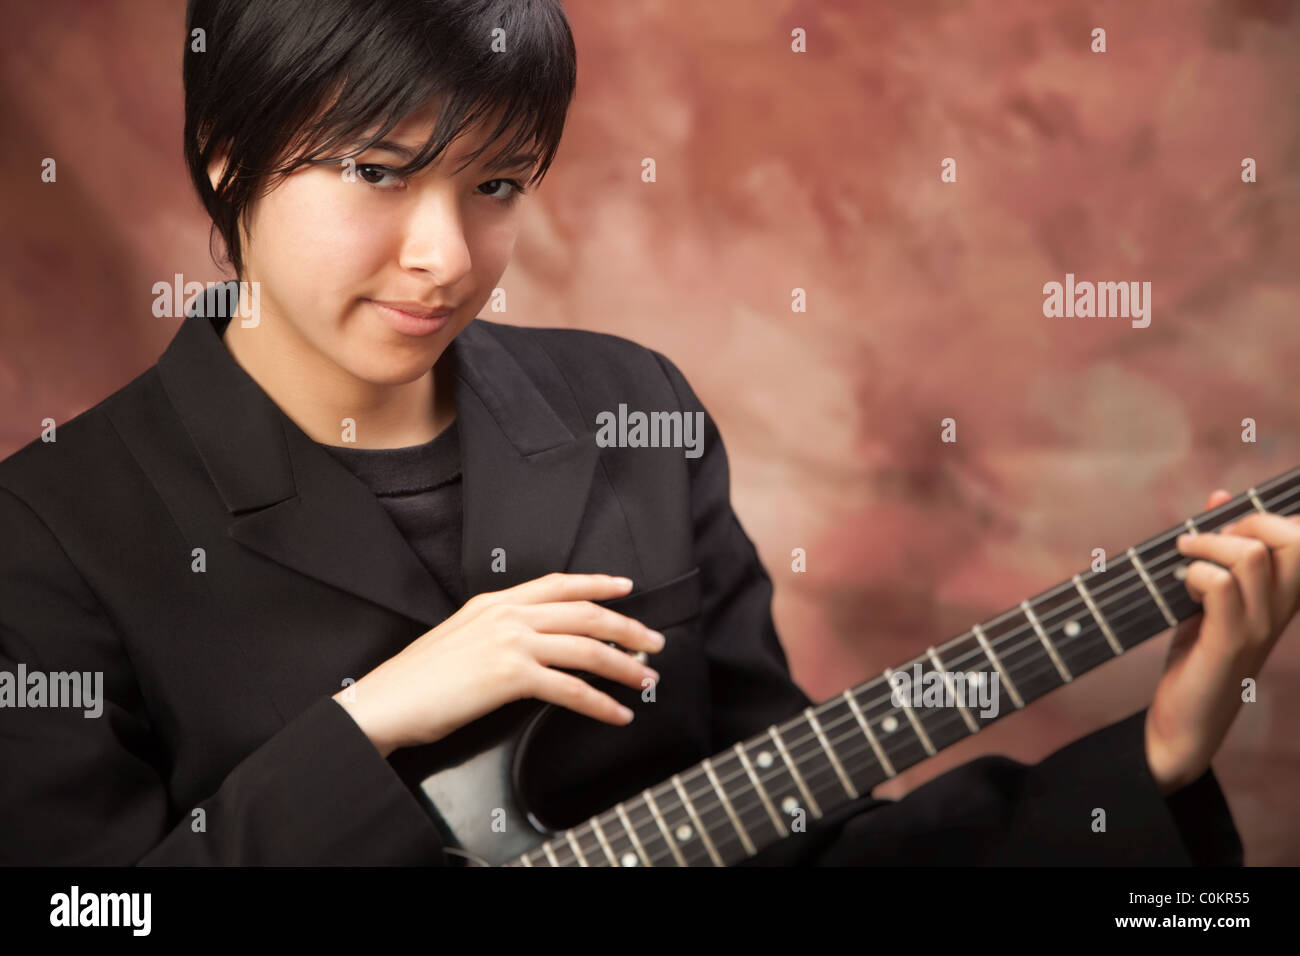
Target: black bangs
287,83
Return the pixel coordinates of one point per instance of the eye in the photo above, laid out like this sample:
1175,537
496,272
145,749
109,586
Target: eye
516,190
384,177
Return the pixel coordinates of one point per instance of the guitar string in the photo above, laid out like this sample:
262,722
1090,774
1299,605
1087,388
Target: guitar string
1115,616
714,804
949,716
1103,596
944,721
746,811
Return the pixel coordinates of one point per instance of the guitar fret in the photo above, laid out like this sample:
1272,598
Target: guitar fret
814,764
649,836
853,749
993,659
1167,567
835,761
794,773
778,782
895,733
1021,653
699,830
550,853
631,832
577,850
731,811
916,724
947,679
777,823
604,844
1042,636
617,841
668,837
970,671
1258,504
1101,621
1146,579
866,729
1191,525
1071,628
680,818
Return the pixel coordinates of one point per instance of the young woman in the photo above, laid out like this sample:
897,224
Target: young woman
335,528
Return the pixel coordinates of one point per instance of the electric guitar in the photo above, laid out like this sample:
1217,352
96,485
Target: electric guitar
730,806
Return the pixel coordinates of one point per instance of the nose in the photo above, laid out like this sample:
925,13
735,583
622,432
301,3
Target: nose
435,240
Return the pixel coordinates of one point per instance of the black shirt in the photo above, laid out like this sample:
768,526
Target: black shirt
420,488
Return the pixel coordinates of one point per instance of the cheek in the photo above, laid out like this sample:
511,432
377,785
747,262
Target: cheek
320,232
492,247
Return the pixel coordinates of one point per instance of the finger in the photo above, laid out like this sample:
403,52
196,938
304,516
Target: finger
1221,601
557,687
581,653
561,586
1217,497
583,617
1282,535
1274,530
1249,567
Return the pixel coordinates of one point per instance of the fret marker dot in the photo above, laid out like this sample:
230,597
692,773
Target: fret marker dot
629,859
1180,572
889,724
683,833
1072,629
765,759
789,804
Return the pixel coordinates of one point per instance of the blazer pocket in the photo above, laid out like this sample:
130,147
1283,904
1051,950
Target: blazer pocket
664,605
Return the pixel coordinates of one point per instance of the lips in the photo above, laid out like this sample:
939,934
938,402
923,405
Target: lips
417,310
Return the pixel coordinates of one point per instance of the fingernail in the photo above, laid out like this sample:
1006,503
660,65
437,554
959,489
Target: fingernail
623,582
625,713
660,640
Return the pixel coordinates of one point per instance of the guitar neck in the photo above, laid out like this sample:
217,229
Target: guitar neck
728,807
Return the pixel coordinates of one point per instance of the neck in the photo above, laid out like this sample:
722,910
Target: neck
319,396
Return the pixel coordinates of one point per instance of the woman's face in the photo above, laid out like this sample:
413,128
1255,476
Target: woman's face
330,242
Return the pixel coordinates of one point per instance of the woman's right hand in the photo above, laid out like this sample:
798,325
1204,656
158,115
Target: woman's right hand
499,647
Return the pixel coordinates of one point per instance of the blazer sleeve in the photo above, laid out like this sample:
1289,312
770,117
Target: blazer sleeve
80,789
992,810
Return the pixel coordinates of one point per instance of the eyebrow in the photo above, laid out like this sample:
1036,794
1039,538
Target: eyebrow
517,161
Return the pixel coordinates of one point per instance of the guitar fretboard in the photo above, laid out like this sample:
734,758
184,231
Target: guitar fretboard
733,804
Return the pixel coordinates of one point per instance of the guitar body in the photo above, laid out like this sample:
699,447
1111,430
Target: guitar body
477,798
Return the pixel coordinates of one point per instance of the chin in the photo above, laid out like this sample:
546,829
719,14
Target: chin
401,368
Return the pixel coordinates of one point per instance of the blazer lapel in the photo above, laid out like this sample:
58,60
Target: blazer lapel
526,475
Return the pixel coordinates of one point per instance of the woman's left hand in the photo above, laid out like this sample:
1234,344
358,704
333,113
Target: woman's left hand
1245,609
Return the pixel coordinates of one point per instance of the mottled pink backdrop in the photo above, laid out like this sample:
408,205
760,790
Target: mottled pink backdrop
778,170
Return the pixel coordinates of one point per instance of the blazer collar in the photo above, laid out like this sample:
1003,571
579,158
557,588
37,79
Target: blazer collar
526,474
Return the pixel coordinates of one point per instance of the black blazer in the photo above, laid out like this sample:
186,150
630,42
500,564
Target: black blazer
218,684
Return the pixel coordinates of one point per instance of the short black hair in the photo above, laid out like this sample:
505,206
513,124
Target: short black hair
283,83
